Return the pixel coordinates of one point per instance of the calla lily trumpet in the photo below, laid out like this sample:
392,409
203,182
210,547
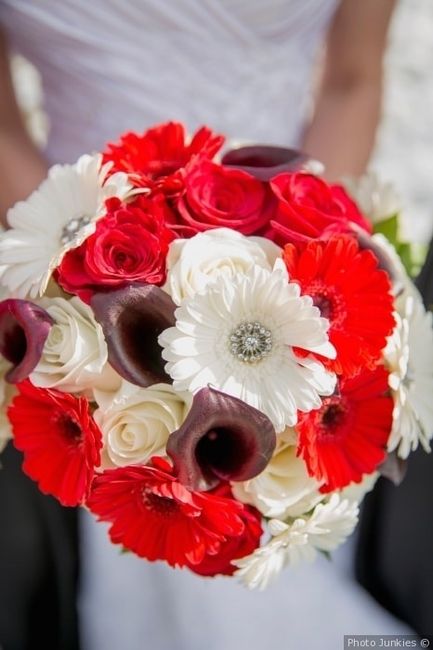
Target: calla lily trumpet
24,328
221,439
265,161
132,319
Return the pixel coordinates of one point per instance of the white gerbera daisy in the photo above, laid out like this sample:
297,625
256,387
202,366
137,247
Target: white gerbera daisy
329,525
409,355
377,199
239,334
58,216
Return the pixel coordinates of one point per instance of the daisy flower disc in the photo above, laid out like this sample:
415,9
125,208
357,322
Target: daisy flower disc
238,335
58,216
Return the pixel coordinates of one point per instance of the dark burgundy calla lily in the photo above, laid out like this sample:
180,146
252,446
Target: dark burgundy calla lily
132,319
222,439
393,468
24,328
265,161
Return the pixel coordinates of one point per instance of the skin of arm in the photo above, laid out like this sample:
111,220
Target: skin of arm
348,104
22,167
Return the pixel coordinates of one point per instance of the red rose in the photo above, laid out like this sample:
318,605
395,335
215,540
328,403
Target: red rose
234,548
130,244
223,197
155,158
308,208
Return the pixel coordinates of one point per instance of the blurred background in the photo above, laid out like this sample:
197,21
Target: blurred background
404,147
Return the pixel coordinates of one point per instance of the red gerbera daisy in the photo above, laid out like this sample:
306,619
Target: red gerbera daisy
234,547
158,518
154,158
349,289
346,438
60,440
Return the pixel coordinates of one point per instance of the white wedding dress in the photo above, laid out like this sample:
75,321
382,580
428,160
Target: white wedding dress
244,67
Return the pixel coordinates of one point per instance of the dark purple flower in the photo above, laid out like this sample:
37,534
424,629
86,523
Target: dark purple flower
265,161
132,319
222,439
24,328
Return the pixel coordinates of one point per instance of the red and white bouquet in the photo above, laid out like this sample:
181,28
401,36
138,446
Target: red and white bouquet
217,358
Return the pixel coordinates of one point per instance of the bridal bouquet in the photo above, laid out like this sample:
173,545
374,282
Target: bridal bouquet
218,357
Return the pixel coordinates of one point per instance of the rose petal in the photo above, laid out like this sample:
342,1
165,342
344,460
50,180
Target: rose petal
24,328
132,319
265,161
221,439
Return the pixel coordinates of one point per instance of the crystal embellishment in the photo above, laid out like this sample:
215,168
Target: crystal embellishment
72,229
250,342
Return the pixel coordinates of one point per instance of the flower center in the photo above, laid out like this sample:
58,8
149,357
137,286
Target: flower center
325,305
333,416
163,506
329,301
250,342
72,228
70,429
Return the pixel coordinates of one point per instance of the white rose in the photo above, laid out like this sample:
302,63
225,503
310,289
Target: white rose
357,491
191,263
74,357
7,392
284,488
137,423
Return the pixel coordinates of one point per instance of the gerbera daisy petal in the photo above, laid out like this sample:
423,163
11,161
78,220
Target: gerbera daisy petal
62,451
346,438
250,325
409,355
58,216
350,290
152,515
155,159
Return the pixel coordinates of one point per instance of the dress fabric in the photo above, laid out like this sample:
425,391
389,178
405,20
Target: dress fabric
244,67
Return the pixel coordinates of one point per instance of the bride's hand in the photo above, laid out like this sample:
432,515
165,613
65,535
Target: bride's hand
22,166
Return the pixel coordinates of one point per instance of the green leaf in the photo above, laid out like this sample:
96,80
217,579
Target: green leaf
389,228
412,255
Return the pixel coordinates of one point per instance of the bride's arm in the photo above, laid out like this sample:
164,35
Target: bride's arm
22,167
348,104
